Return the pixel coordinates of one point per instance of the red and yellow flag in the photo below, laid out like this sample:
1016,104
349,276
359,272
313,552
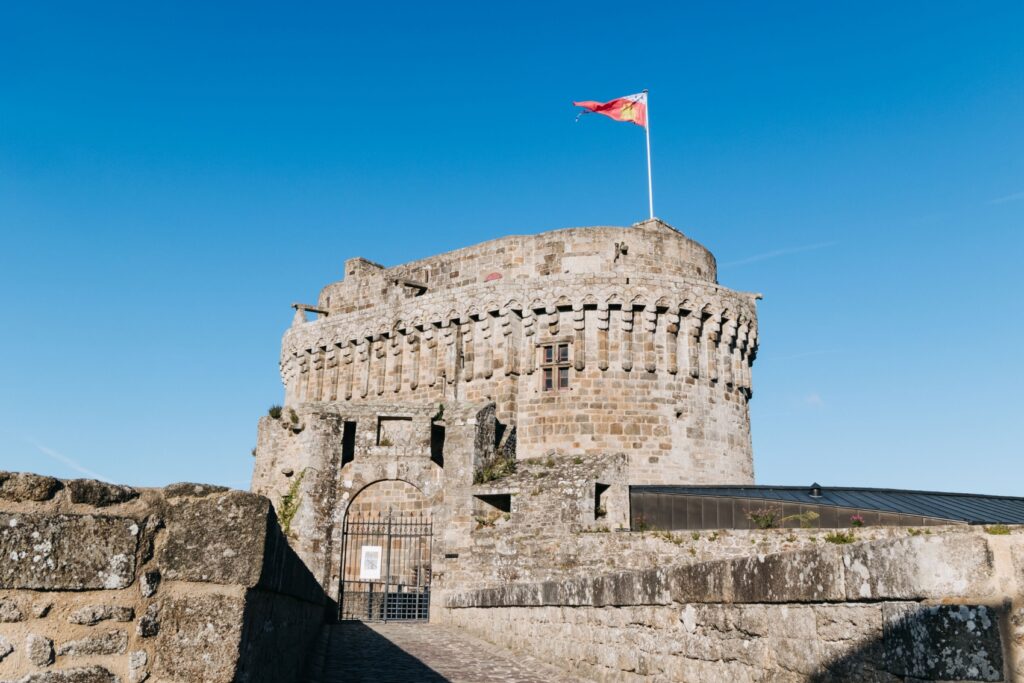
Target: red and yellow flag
631,108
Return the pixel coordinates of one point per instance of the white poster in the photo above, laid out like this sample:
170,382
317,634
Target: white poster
369,562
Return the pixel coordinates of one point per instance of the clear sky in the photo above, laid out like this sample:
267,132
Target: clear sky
174,175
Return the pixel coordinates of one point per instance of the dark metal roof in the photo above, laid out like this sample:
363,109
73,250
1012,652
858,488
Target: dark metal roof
961,507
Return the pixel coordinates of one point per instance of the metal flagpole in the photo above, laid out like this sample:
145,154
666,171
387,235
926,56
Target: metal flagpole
647,130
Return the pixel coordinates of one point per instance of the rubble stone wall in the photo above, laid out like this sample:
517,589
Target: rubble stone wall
935,607
103,584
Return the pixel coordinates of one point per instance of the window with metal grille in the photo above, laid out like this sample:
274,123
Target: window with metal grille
555,367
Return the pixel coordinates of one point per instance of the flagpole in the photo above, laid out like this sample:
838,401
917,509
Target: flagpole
647,130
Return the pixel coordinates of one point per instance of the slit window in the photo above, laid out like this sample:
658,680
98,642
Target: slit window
555,367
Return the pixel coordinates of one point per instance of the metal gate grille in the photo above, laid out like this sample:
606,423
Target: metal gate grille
386,569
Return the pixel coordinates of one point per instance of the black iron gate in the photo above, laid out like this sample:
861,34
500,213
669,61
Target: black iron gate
386,568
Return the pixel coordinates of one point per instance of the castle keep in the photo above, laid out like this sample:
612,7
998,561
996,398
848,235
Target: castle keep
615,347
588,341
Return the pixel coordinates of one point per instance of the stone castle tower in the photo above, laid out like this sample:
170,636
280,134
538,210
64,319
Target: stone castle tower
576,343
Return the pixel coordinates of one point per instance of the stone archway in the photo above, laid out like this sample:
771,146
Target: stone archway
386,554
399,497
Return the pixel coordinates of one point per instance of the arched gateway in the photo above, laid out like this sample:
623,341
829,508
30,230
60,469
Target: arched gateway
386,554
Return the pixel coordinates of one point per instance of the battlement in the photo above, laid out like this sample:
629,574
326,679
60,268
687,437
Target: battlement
651,248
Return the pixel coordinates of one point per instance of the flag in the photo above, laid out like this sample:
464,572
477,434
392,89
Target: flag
631,108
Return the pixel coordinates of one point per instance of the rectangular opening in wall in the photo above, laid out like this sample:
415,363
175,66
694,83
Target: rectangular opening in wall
348,443
599,502
496,502
393,431
437,444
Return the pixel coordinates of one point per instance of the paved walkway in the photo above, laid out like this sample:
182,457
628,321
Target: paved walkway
420,653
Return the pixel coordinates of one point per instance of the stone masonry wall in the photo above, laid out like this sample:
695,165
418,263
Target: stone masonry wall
109,584
938,607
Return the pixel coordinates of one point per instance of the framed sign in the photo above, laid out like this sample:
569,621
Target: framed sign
369,562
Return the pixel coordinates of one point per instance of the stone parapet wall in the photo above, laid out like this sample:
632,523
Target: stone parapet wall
104,584
938,607
650,247
523,548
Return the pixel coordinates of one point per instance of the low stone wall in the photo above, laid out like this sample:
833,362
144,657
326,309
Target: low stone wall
104,584
936,607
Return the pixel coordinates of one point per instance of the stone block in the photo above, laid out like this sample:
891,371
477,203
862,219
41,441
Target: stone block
10,612
199,638
67,552
6,648
109,643
22,486
91,615
216,539
90,674
918,567
698,583
804,576
39,650
942,642
149,624
149,583
99,493
137,671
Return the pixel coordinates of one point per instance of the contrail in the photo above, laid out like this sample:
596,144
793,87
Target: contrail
776,253
1008,198
65,460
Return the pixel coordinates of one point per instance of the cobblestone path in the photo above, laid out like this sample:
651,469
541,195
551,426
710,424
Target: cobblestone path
420,653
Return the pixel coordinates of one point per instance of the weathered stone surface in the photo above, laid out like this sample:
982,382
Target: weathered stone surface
109,643
216,539
192,490
149,624
805,576
943,642
67,552
22,486
704,582
149,583
94,614
99,493
6,648
39,650
918,567
90,674
199,638
10,612
137,671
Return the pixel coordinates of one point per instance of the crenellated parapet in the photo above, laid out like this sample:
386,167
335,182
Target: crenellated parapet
706,330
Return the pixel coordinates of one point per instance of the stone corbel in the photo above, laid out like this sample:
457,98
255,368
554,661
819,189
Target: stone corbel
672,342
626,349
580,337
602,336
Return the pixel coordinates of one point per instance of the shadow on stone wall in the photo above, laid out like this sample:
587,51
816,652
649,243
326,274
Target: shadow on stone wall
283,614
928,643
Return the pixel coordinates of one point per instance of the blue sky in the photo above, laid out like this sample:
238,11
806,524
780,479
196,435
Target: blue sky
174,175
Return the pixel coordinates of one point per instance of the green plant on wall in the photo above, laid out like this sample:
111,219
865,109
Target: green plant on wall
290,504
275,412
764,518
496,469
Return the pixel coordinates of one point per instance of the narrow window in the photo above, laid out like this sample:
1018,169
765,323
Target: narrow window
555,367
348,443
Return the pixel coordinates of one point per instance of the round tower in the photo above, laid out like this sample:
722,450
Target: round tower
587,340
